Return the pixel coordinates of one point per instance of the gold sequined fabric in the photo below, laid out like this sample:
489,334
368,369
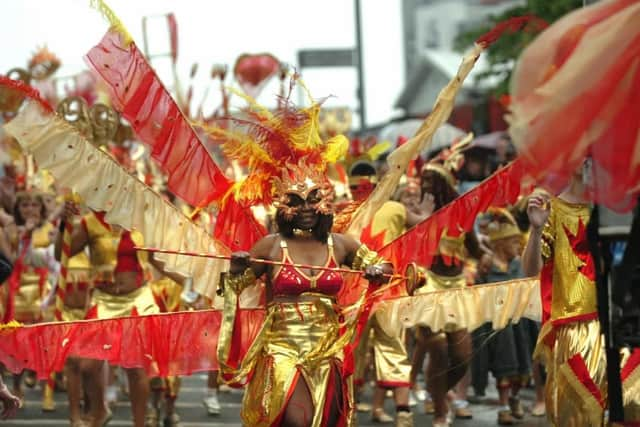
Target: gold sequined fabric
365,257
573,286
387,339
301,341
110,306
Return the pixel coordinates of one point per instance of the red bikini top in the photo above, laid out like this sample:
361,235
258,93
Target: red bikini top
289,280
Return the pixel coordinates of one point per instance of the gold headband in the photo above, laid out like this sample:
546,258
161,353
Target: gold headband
442,171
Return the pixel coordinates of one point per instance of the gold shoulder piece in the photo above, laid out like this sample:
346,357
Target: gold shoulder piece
365,257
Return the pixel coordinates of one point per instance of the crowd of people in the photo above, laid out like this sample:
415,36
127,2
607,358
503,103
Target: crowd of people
105,277
328,295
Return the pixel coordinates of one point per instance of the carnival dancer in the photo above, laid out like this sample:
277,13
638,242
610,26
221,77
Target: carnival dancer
507,352
449,350
28,285
386,337
296,365
570,341
119,275
298,378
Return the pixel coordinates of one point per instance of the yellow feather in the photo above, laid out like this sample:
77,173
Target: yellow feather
378,149
114,21
252,103
336,149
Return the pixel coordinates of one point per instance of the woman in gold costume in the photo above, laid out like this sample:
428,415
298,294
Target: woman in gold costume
449,350
297,358
28,285
119,276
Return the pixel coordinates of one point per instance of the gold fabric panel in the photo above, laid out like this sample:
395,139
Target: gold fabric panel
301,338
110,306
469,307
60,149
574,294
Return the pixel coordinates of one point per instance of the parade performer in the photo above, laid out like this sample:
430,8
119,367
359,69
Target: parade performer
297,366
29,284
570,341
383,333
119,275
553,79
449,350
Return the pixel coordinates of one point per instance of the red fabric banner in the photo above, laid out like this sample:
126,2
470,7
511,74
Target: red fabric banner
163,344
139,95
420,243
236,227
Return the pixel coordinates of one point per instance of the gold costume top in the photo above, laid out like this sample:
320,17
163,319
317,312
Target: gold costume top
112,251
567,279
78,270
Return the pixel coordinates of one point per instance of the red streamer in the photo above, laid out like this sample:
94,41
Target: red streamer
420,243
139,95
21,89
512,25
163,344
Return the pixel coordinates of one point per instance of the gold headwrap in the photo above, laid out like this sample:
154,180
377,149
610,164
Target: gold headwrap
450,160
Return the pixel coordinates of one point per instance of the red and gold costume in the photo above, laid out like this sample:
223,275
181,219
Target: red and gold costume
28,284
297,340
570,341
387,332
112,251
77,282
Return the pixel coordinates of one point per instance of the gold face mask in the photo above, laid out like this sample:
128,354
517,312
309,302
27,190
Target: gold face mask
300,184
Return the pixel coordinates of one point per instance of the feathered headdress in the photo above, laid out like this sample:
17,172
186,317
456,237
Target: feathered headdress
450,160
282,150
43,63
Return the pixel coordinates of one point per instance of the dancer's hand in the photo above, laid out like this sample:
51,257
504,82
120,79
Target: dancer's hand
538,210
10,402
240,261
427,205
70,210
374,274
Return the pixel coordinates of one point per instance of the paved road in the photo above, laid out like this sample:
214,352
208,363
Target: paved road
193,413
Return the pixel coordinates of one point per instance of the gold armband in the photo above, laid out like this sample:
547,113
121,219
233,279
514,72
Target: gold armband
239,282
366,257
546,245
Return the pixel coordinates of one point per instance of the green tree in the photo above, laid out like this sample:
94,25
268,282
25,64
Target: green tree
503,53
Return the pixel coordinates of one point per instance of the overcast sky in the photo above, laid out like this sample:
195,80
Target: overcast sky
217,31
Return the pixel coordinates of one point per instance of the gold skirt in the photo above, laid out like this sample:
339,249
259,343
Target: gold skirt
576,388
300,342
27,301
436,282
72,314
109,306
